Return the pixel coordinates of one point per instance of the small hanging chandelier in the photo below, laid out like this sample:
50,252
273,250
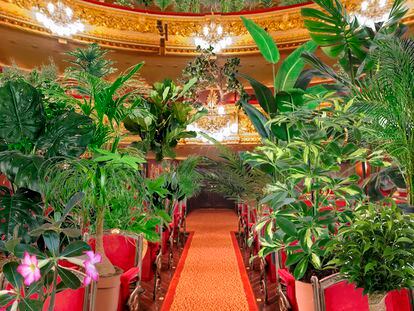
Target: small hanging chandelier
214,36
59,19
372,12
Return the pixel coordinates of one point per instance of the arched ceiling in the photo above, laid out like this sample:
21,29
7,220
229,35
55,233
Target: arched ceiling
132,35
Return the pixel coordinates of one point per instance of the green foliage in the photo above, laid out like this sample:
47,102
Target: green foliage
19,213
162,119
232,177
58,246
210,74
163,4
375,251
307,181
90,60
22,112
263,40
342,37
387,100
289,83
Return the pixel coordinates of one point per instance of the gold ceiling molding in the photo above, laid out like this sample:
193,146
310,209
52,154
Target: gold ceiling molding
126,29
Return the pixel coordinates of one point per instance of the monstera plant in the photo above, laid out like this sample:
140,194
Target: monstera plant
28,140
161,120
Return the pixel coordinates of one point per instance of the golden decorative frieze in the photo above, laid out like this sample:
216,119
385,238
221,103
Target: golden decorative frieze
129,29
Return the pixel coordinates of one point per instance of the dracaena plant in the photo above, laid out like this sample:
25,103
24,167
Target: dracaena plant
37,272
289,83
309,181
161,120
374,251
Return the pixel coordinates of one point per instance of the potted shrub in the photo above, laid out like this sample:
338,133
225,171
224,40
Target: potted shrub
375,252
37,271
106,179
312,193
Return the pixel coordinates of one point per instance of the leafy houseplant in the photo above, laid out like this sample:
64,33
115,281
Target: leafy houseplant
161,120
107,179
304,199
290,83
33,281
387,101
375,251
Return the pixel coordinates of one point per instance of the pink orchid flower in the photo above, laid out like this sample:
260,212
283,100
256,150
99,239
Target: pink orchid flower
90,269
29,269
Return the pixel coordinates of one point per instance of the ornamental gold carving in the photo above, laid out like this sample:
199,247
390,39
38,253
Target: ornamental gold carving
122,28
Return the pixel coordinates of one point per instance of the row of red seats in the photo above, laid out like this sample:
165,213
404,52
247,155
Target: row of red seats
340,296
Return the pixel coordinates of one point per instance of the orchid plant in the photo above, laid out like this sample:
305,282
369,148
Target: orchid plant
37,272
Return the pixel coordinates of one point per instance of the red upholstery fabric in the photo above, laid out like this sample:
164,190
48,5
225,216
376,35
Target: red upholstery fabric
345,297
121,251
398,301
68,300
289,281
147,263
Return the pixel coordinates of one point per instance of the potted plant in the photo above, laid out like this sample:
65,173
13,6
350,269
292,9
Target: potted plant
37,271
310,180
161,120
374,251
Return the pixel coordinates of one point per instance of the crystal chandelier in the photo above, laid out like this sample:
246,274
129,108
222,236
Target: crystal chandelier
59,19
213,35
372,12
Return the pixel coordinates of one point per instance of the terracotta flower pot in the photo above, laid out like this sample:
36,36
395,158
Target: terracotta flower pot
304,296
376,302
107,294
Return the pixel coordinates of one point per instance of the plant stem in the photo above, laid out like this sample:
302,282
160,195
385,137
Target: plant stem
53,294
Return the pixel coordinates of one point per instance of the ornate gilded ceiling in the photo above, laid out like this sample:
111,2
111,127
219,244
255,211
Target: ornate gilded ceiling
134,30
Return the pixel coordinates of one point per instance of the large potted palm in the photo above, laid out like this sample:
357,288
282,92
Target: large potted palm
374,251
387,101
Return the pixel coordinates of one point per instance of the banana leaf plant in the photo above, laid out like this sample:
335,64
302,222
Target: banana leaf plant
290,83
161,120
309,181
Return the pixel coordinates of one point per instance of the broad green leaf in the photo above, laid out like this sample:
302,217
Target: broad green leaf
68,278
258,120
287,226
292,67
67,135
22,112
52,241
301,268
76,248
263,40
11,274
263,95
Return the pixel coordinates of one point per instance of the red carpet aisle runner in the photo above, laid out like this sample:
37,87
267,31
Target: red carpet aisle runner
211,273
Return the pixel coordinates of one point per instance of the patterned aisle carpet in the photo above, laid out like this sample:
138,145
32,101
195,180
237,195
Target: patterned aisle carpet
210,274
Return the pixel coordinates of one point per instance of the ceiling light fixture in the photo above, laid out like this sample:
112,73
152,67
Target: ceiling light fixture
213,36
59,19
372,12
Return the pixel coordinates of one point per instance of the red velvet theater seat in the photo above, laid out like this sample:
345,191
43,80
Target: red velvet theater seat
121,251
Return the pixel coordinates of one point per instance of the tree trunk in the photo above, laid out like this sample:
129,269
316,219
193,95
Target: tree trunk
105,267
